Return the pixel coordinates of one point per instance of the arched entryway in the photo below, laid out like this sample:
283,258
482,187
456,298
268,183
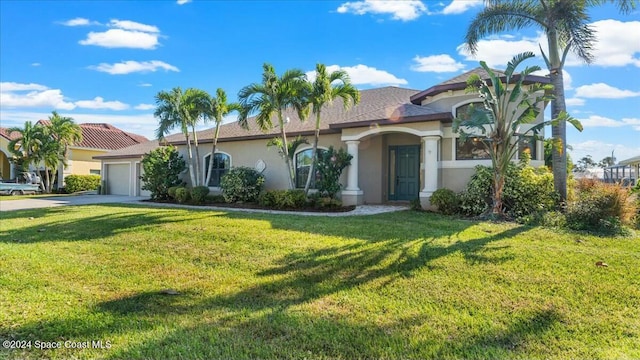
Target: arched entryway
391,163
5,166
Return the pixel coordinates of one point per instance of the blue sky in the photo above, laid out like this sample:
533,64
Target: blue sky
104,61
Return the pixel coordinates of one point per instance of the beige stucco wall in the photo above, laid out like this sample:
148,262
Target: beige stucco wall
247,153
81,161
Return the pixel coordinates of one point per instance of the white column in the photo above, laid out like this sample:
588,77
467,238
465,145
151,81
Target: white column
352,171
430,158
352,195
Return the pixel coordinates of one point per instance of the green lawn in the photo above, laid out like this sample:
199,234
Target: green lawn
21,197
403,285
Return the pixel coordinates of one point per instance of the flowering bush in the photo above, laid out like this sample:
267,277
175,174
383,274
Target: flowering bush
330,166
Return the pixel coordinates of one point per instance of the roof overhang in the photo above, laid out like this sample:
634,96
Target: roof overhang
443,117
438,89
631,161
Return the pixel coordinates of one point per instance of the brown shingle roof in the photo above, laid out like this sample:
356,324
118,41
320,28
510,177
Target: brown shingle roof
104,136
133,151
382,105
460,83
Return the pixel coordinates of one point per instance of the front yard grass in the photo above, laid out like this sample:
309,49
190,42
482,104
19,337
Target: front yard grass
402,285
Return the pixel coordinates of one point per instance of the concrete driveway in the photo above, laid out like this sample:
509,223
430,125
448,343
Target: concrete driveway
45,202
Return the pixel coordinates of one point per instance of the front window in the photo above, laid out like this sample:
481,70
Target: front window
528,144
472,148
462,112
221,164
94,172
303,166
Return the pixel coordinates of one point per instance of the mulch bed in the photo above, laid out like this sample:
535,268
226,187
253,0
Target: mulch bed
259,207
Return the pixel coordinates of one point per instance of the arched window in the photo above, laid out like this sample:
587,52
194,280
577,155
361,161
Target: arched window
303,165
221,164
473,148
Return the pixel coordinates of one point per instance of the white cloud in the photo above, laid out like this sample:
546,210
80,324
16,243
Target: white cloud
599,150
13,86
78,22
133,26
145,85
601,121
436,63
618,44
142,124
182,2
603,91
574,102
401,10
99,103
130,66
460,6
119,38
35,64
497,52
363,74
16,95
145,107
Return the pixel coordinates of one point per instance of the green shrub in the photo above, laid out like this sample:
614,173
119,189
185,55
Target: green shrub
447,201
199,193
75,183
601,208
283,199
527,191
241,184
183,195
214,199
330,166
171,192
326,202
415,204
554,219
162,169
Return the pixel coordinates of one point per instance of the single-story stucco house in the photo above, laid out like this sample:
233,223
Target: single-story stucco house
401,140
97,139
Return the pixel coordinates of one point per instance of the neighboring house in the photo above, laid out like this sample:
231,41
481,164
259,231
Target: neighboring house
97,139
401,140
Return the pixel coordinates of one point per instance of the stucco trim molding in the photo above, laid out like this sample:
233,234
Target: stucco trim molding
391,129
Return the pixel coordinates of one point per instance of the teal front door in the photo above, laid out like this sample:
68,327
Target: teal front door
404,172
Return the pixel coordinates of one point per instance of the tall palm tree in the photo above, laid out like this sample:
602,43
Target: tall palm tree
326,88
218,108
26,146
178,109
272,97
60,133
565,23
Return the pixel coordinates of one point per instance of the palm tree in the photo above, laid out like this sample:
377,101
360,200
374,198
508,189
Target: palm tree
565,23
325,89
176,108
218,108
272,97
60,133
26,146
505,107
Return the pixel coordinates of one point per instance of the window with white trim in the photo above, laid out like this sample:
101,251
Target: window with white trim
303,166
221,164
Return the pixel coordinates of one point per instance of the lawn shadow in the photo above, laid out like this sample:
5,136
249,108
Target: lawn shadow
120,220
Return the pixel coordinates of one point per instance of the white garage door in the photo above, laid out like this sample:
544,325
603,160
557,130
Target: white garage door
118,179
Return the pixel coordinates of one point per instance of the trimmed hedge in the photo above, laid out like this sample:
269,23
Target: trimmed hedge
283,199
241,184
75,183
198,194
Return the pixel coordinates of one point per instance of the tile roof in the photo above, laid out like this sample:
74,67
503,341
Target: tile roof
104,136
387,104
4,132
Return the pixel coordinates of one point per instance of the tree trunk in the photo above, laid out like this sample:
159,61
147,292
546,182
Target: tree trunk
190,155
213,153
559,131
285,150
314,156
195,142
47,185
498,189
